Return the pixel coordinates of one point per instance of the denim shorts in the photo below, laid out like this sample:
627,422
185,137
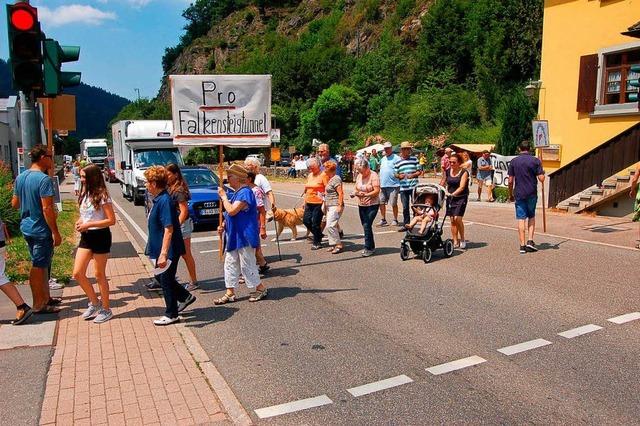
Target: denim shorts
526,208
41,251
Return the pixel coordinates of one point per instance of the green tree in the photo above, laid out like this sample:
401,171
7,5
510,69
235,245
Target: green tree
518,111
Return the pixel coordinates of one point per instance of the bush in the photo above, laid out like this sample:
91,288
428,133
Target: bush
8,214
199,155
501,194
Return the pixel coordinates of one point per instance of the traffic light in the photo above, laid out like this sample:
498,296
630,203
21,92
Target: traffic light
54,55
633,80
25,46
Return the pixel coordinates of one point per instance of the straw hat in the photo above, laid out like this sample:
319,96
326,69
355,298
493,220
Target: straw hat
237,170
406,144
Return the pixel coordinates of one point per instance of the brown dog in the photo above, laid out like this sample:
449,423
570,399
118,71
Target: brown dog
290,218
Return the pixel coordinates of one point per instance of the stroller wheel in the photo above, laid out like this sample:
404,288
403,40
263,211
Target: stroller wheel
404,252
426,255
448,247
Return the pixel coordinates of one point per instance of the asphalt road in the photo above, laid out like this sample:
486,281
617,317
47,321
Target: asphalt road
336,322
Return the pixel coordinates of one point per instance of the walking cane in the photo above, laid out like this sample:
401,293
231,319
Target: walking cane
275,227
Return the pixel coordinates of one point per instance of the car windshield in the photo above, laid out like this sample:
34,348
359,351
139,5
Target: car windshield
96,151
200,178
145,158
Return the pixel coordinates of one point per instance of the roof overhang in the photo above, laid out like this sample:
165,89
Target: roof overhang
633,31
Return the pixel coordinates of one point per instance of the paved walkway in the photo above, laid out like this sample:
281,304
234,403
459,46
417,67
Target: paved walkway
127,371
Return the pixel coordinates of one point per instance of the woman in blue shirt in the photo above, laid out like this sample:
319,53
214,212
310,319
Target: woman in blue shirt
241,231
165,245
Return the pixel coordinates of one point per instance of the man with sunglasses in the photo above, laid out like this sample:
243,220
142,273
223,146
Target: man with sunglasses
33,196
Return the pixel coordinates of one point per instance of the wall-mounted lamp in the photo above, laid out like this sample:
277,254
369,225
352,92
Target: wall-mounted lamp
532,88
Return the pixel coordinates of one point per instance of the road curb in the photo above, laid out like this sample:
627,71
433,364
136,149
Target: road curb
220,387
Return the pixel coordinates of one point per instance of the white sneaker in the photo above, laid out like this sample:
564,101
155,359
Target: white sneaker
91,311
103,316
394,223
463,245
54,284
166,320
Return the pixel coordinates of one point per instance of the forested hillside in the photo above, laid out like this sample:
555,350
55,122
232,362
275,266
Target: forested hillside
346,69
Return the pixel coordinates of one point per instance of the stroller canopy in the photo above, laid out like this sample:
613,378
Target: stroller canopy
419,192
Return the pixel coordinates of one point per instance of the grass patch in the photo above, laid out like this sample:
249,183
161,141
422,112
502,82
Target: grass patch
19,262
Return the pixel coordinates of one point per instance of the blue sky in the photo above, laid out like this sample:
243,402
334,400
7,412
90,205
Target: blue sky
121,41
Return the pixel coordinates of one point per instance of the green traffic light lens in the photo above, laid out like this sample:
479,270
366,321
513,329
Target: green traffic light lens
22,20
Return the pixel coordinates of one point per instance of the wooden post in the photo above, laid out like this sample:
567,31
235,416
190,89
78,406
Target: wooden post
49,123
544,212
221,177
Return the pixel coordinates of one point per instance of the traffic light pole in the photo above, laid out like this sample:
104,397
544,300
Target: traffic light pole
27,126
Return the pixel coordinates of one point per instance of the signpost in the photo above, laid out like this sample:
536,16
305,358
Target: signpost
221,110
540,141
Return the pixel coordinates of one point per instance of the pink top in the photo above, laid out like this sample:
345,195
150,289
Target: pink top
444,163
367,185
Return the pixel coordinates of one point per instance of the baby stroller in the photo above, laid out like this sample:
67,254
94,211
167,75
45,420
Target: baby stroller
423,244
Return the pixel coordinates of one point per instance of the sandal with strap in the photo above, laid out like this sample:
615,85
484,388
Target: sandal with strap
225,299
47,309
257,295
336,250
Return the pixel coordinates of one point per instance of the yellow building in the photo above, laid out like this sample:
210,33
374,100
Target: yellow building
588,47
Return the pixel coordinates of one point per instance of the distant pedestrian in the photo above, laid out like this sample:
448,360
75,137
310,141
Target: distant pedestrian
368,191
467,164
444,160
374,161
23,311
334,203
456,180
634,191
75,170
96,216
33,195
485,175
525,171
313,199
240,227
389,185
180,194
422,161
165,245
407,171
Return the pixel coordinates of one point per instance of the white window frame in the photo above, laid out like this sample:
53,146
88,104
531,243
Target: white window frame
629,108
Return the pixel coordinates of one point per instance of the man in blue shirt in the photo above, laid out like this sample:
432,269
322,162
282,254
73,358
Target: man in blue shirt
33,195
407,171
525,171
325,155
389,185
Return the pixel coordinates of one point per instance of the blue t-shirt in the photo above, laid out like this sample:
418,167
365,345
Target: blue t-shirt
242,229
163,214
408,166
388,172
30,187
525,168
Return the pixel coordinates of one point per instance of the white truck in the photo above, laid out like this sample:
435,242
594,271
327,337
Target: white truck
94,150
138,145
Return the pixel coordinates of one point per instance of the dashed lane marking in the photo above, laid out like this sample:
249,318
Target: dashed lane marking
292,407
524,346
391,382
625,318
579,331
456,365
131,221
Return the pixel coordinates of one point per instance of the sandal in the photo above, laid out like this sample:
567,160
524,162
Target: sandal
225,299
336,250
257,295
47,309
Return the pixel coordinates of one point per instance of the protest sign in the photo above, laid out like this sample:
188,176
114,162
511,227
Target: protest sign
500,165
229,110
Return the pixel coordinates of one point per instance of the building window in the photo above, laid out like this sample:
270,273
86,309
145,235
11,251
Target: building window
617,73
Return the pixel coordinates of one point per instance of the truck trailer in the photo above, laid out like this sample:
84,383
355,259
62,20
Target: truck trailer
138,145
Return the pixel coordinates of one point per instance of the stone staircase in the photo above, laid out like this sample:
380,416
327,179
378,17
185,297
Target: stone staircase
592,197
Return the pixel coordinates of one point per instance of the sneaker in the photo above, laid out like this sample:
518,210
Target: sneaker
523,249
395,223
367,253
463,245
183,305
153,285
55,285
91,312
531,246
103,316
166,320
383,222
316,247
22,315
191,286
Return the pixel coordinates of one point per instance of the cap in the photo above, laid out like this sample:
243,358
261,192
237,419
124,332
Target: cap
387,145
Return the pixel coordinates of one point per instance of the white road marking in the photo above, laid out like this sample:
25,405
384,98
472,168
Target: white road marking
456,365
579,331
524,346
291,407
625,318
216,237
131,221
380,385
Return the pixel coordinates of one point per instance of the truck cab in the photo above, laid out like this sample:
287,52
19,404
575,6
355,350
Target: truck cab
94,150
138,145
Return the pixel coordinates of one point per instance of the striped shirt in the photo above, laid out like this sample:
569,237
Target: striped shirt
407,166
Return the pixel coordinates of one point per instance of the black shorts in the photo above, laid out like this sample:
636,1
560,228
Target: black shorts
96,240
457,206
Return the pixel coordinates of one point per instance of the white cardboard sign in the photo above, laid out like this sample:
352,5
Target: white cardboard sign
500,165
230,110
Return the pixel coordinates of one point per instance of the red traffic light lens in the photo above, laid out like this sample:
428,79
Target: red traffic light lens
22,20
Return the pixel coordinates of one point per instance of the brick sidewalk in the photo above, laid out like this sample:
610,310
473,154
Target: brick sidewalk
125,371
